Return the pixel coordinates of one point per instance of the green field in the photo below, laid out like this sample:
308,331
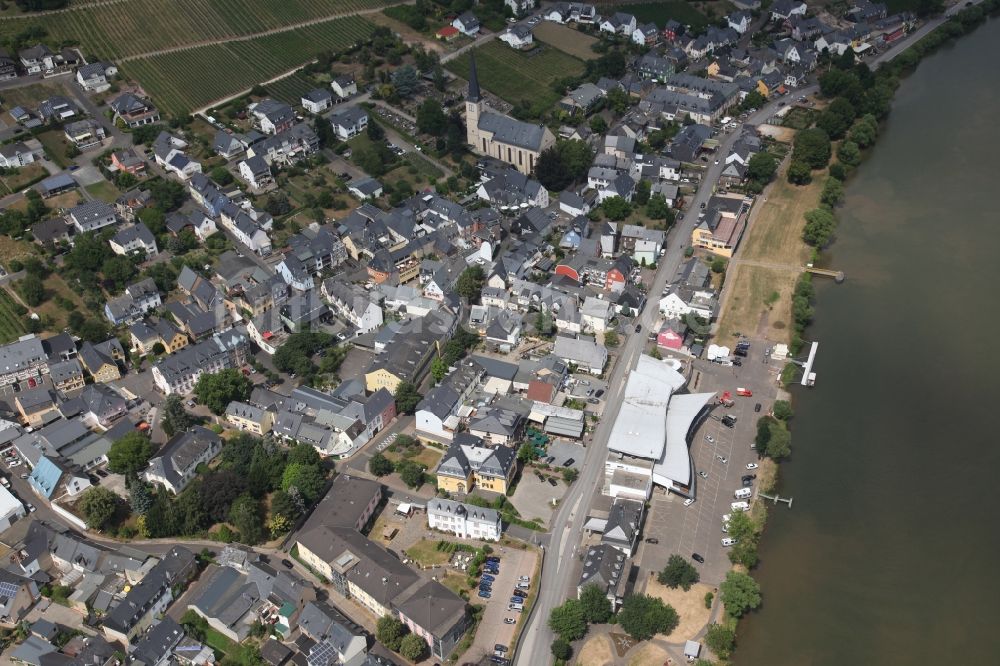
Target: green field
517,77
185,80
11,323
120,29
661,12
291,88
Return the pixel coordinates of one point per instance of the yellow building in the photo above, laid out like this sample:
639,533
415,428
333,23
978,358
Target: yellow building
249,418
723,224
382,377
101,360
66,376
469,464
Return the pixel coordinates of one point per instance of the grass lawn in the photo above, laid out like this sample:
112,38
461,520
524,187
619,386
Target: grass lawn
56,286
423,165
14,249
24,177
775,237
661,12
454,582
104,191
218,642
425,552
517,76
799,118
55,144
566,39
11,324
30,96
428,457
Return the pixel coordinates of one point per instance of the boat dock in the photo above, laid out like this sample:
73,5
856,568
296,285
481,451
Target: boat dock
776,498
838,276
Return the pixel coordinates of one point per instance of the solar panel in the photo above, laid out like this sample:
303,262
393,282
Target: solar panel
8,590
322,654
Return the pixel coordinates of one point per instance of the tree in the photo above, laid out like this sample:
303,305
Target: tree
221,175
596,607
245,516
175,417
99,506
526,453
782,410
833,192
308,479
550,170
140,497
865,131
576,156
753,100
812,146
761,168
833,124
431,118
304,454
740,593
130,454
379,465
405,81
470,283
643,616
568,621
616,208
31,290
642,193
218,490
721,639
718,265
799,173
217,390
412,473
282,504
407,398
561,649
569,474
820,225
849,153
598,125
610,338
657,208
413,647
678,573
779,443
390,631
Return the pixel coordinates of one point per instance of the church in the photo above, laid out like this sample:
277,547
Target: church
512,141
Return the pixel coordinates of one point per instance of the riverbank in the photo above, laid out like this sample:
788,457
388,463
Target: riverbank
826,183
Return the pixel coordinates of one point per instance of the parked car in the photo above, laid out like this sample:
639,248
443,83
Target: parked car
287,564
638,328
748,477
569,462
31,507
689,501
509,620
4,482
703,475
488,578
652,540
756,407
599,393
484,594
752,465
493,558
722,459
709,439
729,541
524,579
521,594
697,558
25,476
499,648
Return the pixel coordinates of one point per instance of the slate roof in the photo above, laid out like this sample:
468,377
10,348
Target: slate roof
513,132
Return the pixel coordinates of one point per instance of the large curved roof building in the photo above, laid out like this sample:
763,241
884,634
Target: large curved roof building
652,430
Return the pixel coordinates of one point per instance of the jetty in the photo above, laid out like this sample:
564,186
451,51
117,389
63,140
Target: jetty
838,276
776,498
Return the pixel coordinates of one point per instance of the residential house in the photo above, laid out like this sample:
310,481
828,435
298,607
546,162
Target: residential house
353,304
469,464
608,569
134,111
436,614
149,597
8,66
251,418
642,243
271,116
135,238
91,216
646,34
464,520
66,376
101,360
19,592
365,188
782,10
34,404
138,299
179,372
467,24
344,86
582,98
619,23
722,227
94,77
256,172
84,133
584,352
19,154
57,109
740,21
623,525
317,100
128,161
349,121
51,232
518,36
174,465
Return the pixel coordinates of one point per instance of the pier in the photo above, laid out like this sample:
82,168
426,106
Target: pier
776,498
838,276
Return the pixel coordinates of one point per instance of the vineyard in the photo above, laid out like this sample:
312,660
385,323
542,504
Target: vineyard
11,323
136,27
291,88
182,81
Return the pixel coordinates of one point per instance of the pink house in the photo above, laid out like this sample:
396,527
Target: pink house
669,338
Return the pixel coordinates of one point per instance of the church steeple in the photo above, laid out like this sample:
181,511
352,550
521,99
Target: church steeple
473,80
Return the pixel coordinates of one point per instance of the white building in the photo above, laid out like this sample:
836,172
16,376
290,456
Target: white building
464,520
11,509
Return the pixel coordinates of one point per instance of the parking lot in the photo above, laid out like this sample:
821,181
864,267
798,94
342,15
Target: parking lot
493,630
698,528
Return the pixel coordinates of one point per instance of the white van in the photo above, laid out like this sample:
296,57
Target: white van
725,522
728,541
743,493
740,506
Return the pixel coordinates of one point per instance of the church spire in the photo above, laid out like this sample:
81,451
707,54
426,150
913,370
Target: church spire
473,80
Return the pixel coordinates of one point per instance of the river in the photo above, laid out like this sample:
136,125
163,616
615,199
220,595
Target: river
889,554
